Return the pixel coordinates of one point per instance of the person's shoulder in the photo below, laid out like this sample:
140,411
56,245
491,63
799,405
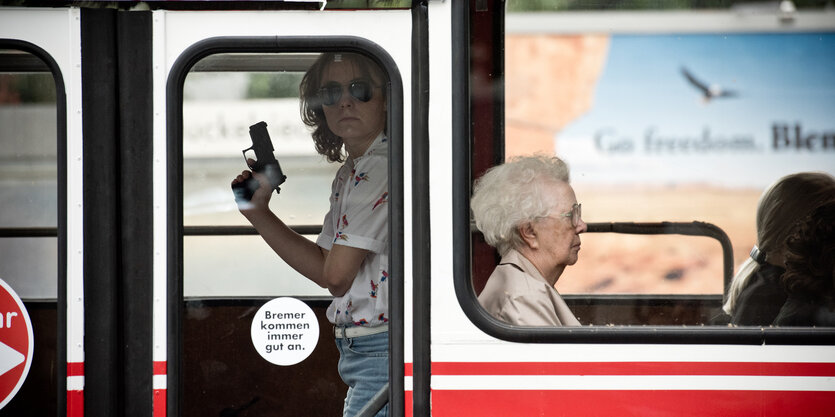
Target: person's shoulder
796,311
514,281
373,162
495,284
802,311
380,146
505,274
378,151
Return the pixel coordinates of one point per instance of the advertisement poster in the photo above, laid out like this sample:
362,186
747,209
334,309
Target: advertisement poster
667,127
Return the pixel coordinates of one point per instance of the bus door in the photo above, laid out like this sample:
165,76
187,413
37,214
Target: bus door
41,253
216,73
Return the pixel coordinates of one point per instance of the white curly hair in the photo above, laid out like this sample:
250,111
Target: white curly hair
510,195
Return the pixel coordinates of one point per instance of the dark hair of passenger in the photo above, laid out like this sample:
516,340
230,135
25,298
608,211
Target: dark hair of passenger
810,256
792,197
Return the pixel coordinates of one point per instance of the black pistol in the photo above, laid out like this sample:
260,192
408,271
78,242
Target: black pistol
265,163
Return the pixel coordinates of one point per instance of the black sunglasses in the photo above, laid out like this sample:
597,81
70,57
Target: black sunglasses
331,92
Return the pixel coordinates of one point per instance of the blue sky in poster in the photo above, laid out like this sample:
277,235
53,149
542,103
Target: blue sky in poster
648,124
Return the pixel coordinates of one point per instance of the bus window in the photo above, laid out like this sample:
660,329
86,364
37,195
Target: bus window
672,119
28,217
645,279
229,271
220,103
647,144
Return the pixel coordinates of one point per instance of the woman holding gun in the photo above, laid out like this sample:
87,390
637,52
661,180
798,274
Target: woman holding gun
343,101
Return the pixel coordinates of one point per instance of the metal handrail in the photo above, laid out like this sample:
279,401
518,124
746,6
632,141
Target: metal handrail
243,230
28,232
695,228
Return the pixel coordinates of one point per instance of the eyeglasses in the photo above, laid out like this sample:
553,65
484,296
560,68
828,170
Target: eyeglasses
575,213
331,92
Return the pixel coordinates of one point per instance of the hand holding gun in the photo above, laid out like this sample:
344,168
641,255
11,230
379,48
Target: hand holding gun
264,163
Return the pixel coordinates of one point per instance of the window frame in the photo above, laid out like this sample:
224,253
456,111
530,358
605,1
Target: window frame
482,26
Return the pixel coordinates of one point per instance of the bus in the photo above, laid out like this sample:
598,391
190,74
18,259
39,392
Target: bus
122,125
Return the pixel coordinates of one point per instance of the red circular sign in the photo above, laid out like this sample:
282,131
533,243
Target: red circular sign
16,343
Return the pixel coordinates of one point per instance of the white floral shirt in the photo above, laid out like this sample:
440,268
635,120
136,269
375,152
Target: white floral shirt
358,218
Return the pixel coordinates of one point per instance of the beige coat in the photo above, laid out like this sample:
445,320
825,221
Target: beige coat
517,293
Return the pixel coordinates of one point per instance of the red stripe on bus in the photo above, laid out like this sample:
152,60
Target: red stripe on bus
408,402
160,403
75,403
503,403
75,368
634,368
160,368
160,399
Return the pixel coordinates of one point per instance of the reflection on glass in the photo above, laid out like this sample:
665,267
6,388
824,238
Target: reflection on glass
29,265
240,267
666,126
645,264
28,177
673,127
28,152
218,109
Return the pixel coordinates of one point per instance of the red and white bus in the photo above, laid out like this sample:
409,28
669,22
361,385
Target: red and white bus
122,124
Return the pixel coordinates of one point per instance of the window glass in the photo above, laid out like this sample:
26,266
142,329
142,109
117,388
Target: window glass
665,117
630,264
28,175
220,103
650,145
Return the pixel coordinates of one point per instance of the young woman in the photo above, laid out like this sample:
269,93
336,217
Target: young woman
343,101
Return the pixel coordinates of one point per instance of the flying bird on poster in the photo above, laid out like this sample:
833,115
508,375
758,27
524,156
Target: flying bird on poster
709,92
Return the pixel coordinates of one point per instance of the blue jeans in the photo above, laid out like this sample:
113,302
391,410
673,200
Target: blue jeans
364,366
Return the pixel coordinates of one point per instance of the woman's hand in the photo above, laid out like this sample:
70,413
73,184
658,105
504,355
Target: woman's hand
261,196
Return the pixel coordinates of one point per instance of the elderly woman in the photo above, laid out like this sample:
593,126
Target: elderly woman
527,210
